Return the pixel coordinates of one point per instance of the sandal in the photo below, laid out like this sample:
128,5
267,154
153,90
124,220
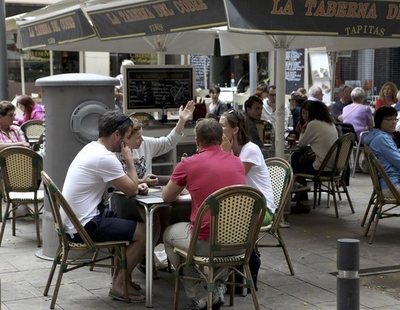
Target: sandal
135,286
132,297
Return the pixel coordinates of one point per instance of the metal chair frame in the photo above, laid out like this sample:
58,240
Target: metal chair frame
20,168
330,179
282,180
383,206
98,251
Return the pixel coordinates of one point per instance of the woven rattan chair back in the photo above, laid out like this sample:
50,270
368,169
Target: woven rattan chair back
236,214
282,179
20,168
33,129
281,175
392,197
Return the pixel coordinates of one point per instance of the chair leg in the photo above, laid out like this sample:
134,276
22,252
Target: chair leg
13,220
178,273
56,261
331,189
3,224
247,273
210,287
94,258
370,202
315,195
285,252
36,217
232,289
348,197
371,219
63,265
377,217
357,158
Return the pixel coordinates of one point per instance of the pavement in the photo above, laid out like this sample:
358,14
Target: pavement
312,244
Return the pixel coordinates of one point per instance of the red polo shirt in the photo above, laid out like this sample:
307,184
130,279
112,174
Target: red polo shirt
203,174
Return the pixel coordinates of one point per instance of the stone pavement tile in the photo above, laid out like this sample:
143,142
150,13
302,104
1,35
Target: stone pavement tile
394,307
308,293
323,280
11,290
333,306
275,279
30,303
287,302
372,298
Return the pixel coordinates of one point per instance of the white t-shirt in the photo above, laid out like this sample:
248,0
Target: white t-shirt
258,175
86,180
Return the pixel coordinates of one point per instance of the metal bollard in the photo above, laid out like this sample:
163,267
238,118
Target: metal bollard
348,280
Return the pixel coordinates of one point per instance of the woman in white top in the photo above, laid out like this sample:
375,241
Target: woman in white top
236,140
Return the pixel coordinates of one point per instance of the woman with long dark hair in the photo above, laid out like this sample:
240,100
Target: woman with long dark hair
236,140
30,108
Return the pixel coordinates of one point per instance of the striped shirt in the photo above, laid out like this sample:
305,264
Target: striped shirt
15,134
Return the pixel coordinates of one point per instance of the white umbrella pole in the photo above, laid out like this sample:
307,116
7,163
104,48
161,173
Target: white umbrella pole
51,63
160,58
22,68
252,72
280,101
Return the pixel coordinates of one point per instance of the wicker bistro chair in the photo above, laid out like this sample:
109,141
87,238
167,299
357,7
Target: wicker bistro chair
34,131
99,251
236,216
384,205
20,168
282,182
331,179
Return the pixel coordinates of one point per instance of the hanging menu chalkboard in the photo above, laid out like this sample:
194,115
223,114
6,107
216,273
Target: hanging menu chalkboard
157,86
294,70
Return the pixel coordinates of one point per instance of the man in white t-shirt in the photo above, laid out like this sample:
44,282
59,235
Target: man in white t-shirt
89,174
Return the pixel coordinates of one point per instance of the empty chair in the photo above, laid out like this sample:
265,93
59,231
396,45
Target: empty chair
20,168
114,251
282,179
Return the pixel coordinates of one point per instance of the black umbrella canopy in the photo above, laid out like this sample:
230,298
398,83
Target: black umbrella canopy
121,19
377,19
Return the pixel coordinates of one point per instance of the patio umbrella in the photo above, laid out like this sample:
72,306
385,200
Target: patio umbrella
333,23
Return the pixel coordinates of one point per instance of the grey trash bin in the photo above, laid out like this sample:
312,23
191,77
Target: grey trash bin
73,104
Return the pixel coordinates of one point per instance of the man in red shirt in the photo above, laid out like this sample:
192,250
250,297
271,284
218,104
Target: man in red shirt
202,174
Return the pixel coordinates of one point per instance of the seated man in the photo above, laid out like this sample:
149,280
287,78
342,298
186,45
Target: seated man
253,108
269,108
202,174
87,178
381,142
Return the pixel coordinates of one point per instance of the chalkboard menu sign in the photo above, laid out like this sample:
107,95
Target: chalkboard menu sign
150,87
201,65
294,70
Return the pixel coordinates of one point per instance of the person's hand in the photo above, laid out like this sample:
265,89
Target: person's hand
185,113
26,144
226,145
126,152
150,180
143,189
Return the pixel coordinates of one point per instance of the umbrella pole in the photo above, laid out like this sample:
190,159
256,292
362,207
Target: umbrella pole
280,99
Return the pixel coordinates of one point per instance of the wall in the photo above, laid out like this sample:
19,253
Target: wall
97,63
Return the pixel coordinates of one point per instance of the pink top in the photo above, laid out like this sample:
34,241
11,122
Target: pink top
14,135
37,113
203,174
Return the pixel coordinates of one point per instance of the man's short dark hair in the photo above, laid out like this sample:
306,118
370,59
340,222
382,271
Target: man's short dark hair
381,113
249,102
208,132
6,107
111,121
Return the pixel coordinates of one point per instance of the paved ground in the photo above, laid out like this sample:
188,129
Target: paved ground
311,241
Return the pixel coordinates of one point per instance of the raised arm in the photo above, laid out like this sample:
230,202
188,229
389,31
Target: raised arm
185,113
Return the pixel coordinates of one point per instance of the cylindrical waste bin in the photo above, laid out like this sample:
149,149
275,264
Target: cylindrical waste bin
73,104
